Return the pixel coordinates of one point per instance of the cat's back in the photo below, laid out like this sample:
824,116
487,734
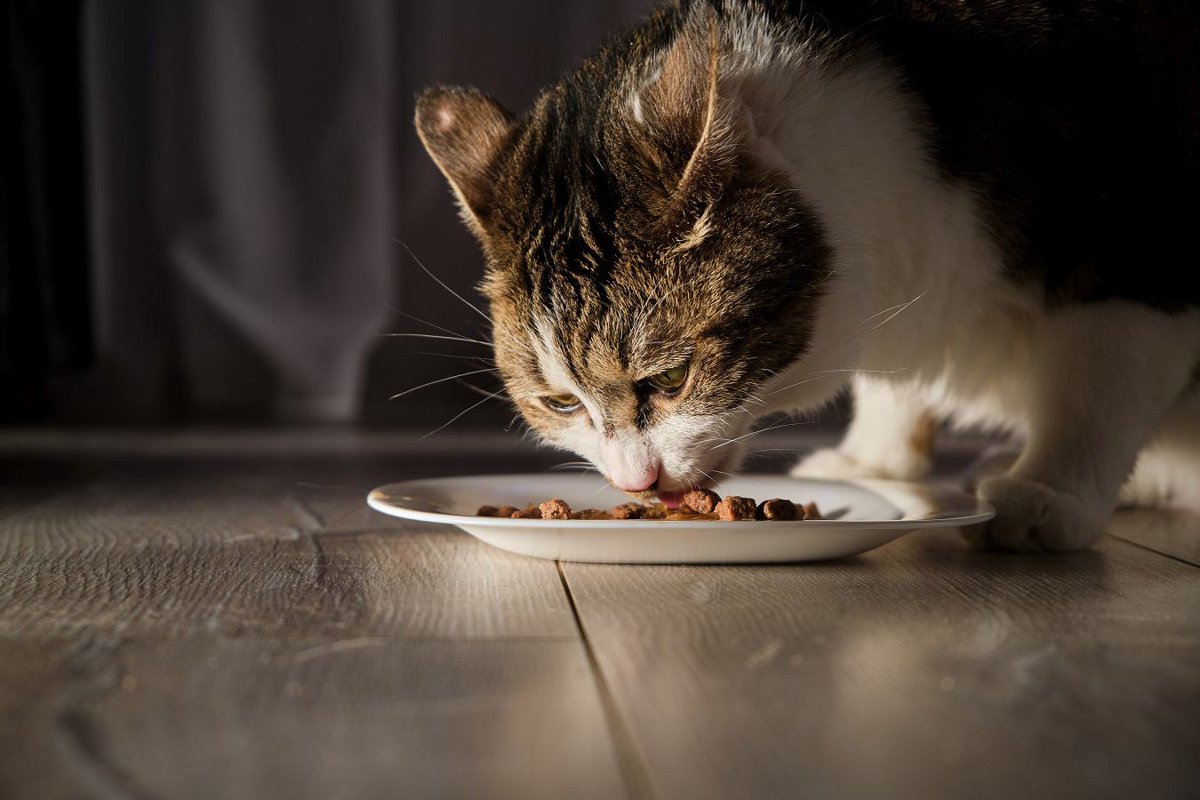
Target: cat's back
1077,124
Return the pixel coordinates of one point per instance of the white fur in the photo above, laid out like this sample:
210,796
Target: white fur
918,307
919,317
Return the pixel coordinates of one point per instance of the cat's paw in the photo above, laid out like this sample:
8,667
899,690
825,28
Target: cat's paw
1031,516
833,463
836,464
828,462
993,462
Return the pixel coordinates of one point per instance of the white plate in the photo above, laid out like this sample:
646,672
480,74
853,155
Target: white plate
869,514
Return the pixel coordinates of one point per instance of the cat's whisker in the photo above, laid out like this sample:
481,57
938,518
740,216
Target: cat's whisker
458,416
899,310
892,311
442,380
727,442
478,390
433,325
480,359
442,283
432,336
827,372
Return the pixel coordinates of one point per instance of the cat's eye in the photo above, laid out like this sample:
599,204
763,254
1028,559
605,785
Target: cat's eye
562,403
669,380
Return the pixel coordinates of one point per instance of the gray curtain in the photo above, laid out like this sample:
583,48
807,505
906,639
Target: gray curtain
252,164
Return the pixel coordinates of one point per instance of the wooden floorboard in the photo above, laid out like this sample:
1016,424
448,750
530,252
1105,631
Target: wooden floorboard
1172,533
240,555
272,718
173,629
920,670
218,615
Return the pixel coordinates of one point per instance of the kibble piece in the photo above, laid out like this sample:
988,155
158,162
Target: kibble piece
776,509
529,512
689,516
487,511
555,509
506,511
627,511
655,511
591,513
703,501
735,508
811,512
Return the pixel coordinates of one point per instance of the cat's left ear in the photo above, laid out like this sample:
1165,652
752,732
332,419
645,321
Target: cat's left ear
698,124
463,129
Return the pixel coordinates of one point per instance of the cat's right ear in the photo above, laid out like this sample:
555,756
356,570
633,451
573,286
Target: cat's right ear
462,129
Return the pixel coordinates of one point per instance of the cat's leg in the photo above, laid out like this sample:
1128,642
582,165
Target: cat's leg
891,436
1168,469
1101,379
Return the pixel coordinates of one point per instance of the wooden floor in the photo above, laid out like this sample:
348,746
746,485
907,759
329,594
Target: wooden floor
217,615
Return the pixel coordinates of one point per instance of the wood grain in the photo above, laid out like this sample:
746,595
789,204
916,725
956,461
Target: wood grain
259,718
204,616
237,555
920,670
1172,533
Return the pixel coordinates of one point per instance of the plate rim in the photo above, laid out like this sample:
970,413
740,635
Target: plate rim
958,500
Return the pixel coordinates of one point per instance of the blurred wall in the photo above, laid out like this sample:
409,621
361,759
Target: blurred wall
251,163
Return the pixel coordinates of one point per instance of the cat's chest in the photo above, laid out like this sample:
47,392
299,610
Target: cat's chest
971,359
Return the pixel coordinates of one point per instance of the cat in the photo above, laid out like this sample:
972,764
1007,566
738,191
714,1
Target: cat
974,213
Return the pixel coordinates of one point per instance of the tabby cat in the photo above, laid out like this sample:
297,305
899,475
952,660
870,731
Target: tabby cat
976,212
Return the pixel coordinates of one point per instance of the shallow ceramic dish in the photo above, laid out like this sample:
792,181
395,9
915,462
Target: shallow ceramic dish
866,514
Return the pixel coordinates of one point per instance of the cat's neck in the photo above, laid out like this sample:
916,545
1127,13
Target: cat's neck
911,254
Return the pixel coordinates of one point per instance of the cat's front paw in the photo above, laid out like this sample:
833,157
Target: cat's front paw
829,463
1031,516
833,463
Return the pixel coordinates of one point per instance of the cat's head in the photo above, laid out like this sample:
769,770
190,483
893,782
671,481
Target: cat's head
647,274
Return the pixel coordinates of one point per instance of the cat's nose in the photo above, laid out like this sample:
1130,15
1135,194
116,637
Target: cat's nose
630,465
638,481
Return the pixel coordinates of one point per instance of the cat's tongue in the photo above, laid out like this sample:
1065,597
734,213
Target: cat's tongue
671,499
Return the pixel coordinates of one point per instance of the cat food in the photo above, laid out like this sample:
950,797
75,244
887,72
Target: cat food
555,509
627,511
529,512
776,509
734,508
699,504
703,501
592,513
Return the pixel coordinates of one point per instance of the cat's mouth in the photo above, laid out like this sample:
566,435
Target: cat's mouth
671,498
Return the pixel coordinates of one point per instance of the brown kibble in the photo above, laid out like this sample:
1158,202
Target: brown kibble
776,509
529,512
735,508
487,511
507,511
688,515
811,511
655,511
703,501
555,509
627,511
591,513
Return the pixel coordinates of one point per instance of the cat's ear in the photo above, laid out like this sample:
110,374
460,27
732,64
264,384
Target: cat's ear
462,129
698,124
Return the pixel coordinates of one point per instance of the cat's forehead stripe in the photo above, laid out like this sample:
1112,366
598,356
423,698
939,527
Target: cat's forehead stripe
551,365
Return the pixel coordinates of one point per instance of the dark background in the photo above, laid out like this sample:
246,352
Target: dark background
201,201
